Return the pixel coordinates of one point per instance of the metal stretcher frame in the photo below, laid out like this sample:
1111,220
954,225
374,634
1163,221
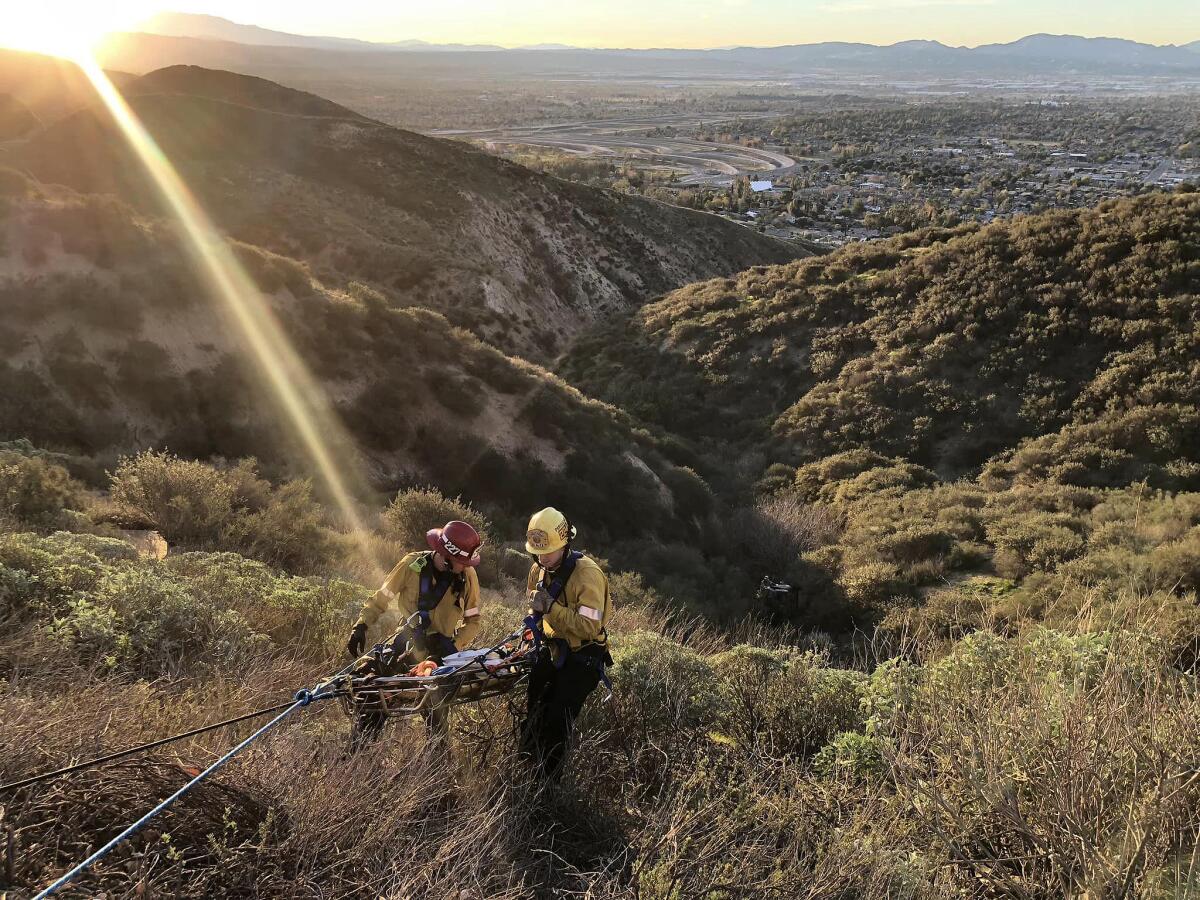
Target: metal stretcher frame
397,696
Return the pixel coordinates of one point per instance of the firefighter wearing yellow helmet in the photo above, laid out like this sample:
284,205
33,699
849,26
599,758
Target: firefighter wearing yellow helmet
569,601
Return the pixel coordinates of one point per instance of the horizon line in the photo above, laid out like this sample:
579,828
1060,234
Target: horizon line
551,46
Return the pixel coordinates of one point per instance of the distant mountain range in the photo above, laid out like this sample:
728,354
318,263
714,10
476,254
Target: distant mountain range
214,28
1039,54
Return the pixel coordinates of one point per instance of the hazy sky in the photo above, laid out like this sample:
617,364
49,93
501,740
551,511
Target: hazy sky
682,23
708,23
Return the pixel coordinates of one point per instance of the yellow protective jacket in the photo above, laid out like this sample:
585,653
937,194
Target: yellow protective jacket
580,614
455,616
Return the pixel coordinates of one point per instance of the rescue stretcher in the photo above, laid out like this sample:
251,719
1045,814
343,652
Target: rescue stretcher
464,677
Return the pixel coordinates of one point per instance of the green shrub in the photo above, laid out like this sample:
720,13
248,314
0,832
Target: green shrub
692,495
143,620
190,614
1176,565
35,492
851,753
1151,443
286,532
818,481
414,511
107,549
775,478
92,633
664,693
894,480
44,575
873,584
783,702
189,502
1027,541
461,395
915,543
301,614
199,506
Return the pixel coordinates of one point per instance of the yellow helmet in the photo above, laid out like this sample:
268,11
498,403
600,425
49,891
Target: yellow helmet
548,531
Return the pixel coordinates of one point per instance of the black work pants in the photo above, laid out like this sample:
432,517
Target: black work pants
556,697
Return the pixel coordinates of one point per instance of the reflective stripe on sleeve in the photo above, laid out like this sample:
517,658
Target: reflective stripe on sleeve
473,611
588,613
390,594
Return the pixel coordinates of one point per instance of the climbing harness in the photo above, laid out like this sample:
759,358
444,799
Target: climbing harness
432,588
555,588
561,575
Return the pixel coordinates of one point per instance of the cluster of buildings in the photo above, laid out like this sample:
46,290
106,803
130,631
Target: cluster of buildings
832,203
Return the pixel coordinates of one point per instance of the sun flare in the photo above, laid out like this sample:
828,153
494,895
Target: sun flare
302,404
67,29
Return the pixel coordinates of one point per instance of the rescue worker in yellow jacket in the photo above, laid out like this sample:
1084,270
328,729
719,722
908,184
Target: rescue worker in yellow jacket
569,602
439,589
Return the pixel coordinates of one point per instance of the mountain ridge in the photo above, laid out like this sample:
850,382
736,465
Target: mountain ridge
1043,52
48,86
524,258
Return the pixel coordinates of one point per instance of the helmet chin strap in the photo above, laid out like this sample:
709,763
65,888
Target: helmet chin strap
566,551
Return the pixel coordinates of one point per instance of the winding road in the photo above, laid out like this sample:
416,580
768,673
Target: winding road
705,162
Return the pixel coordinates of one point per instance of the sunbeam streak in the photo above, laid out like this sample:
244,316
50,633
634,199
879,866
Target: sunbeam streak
301,398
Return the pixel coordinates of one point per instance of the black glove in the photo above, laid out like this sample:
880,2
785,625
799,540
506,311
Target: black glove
439,646
358,639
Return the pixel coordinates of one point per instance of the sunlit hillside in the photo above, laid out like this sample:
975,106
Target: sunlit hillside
946,348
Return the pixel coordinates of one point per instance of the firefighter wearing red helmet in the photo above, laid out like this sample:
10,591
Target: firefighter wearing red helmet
437,592
440,586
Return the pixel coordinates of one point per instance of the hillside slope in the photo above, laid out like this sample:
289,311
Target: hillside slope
48,86
110,345
520,258
1077,329
16,119
243,90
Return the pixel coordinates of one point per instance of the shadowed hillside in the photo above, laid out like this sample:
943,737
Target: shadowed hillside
521,259
985,415
111,345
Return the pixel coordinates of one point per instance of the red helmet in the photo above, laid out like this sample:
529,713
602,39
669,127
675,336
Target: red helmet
456,541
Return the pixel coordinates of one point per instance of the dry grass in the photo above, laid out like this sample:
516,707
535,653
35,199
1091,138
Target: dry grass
730,763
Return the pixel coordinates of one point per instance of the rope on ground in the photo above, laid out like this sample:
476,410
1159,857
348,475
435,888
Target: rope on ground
140,748
303,698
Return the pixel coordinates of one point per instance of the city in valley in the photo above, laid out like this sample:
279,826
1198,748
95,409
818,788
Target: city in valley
826,169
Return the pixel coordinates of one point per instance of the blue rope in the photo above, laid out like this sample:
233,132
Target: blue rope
303,699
